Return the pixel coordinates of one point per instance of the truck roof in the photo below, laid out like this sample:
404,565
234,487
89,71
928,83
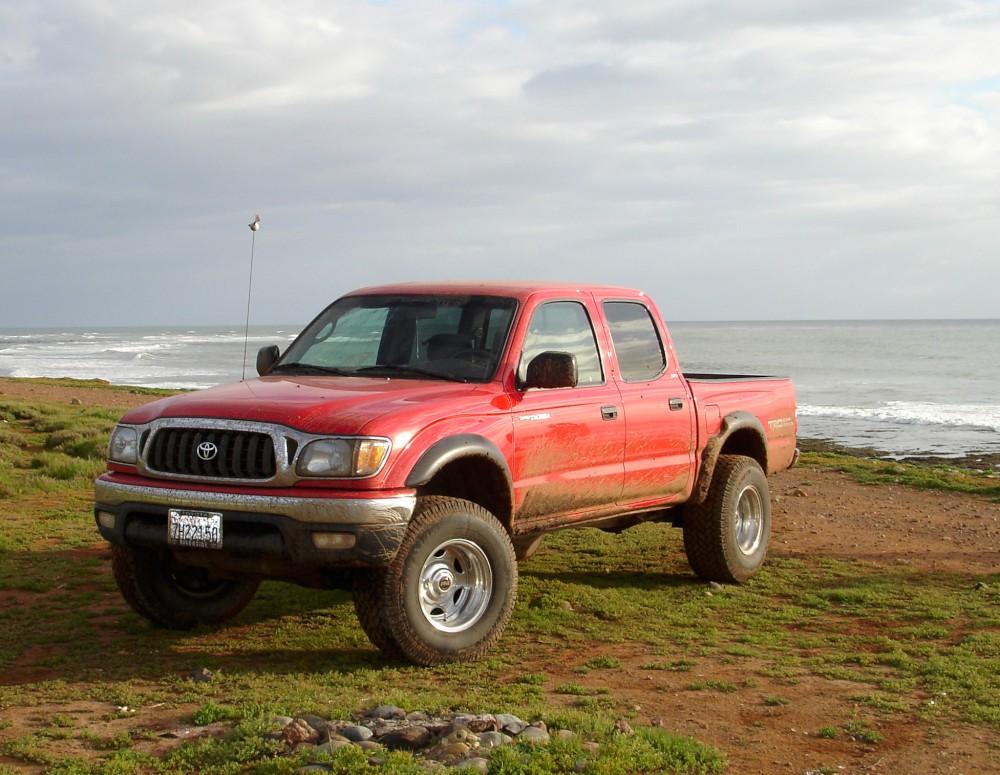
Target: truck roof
514,288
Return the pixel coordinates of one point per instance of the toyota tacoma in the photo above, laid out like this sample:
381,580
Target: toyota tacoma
416,441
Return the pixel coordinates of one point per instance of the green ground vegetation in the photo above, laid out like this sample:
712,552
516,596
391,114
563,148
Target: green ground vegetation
925,646
928,476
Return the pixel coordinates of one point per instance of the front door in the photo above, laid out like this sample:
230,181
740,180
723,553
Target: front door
568,442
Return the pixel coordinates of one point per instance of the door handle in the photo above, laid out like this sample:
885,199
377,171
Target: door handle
676,404
609,412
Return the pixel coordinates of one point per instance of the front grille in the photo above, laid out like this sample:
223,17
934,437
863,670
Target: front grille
239,454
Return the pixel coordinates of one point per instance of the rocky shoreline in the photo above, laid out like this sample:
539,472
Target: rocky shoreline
461,742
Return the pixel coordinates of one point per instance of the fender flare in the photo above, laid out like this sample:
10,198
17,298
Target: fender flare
731,423
452,448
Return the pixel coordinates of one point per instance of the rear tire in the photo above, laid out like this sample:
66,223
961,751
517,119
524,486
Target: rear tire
173,595
450,590
726,537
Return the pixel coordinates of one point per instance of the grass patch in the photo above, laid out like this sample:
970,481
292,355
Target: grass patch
925,476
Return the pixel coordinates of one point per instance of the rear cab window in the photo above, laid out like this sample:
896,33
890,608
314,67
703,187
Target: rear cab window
637,342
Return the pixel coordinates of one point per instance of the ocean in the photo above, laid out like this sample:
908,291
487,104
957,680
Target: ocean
901,387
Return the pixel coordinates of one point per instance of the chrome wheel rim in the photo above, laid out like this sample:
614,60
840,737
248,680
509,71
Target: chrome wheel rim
456,585
749,525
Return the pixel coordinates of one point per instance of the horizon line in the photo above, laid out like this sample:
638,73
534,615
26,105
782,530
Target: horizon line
667,320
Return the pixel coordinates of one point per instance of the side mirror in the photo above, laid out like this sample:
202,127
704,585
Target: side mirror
551,370
266,358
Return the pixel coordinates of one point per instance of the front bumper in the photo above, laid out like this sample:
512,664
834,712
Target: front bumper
269,536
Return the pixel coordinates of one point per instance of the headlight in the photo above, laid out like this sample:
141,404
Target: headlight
342,458
124,446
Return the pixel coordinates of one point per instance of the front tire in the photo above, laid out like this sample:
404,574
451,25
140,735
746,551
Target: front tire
726,537
368,590
450,589
173,595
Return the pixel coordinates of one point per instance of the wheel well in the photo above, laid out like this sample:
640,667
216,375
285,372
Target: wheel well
746,442
475,479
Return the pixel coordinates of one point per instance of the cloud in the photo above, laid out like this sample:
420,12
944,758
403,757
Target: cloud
799,159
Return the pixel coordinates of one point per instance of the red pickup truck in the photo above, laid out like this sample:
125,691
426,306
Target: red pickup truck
416,441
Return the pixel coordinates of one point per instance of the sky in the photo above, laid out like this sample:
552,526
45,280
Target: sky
794,159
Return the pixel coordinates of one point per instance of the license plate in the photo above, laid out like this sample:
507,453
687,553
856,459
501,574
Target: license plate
201,529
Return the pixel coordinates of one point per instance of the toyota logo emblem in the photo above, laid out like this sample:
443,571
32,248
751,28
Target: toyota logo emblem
207,450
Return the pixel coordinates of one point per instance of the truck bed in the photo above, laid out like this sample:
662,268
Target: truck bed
712,377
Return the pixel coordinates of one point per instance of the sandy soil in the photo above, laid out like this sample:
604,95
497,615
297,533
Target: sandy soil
816,513
96,396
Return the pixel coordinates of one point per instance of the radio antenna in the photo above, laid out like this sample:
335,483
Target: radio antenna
254,228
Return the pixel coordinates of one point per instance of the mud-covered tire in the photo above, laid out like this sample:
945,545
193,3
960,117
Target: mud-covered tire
455,541
720,539
368,590
526,547
176,596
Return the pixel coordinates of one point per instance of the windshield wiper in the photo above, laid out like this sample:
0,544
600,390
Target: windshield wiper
414,370
309,368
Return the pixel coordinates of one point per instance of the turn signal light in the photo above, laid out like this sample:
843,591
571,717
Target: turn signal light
334,540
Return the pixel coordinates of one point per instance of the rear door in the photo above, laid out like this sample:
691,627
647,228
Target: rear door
569,442
659,412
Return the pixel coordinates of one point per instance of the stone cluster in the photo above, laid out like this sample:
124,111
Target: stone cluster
462,741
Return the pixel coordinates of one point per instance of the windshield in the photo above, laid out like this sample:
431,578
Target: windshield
457,338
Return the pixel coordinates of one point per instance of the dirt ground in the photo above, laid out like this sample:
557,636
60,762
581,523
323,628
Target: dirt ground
824,513
816,513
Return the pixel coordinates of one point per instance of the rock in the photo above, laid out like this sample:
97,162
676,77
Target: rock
590,747
622,727
512,725
798,492
406,738
566,605
581,765
368,745
332,746
299,731
981,585
449,753
564,734
201,675
355,733
280,721
477,764
313,768
461,734
417,715
321,725
387,712
533,736
715,586
482,723
334,737
75,402
489,740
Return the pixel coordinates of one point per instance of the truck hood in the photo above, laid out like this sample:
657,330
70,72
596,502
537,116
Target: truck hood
325,405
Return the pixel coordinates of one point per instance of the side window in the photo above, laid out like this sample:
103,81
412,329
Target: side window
637,342
563,326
